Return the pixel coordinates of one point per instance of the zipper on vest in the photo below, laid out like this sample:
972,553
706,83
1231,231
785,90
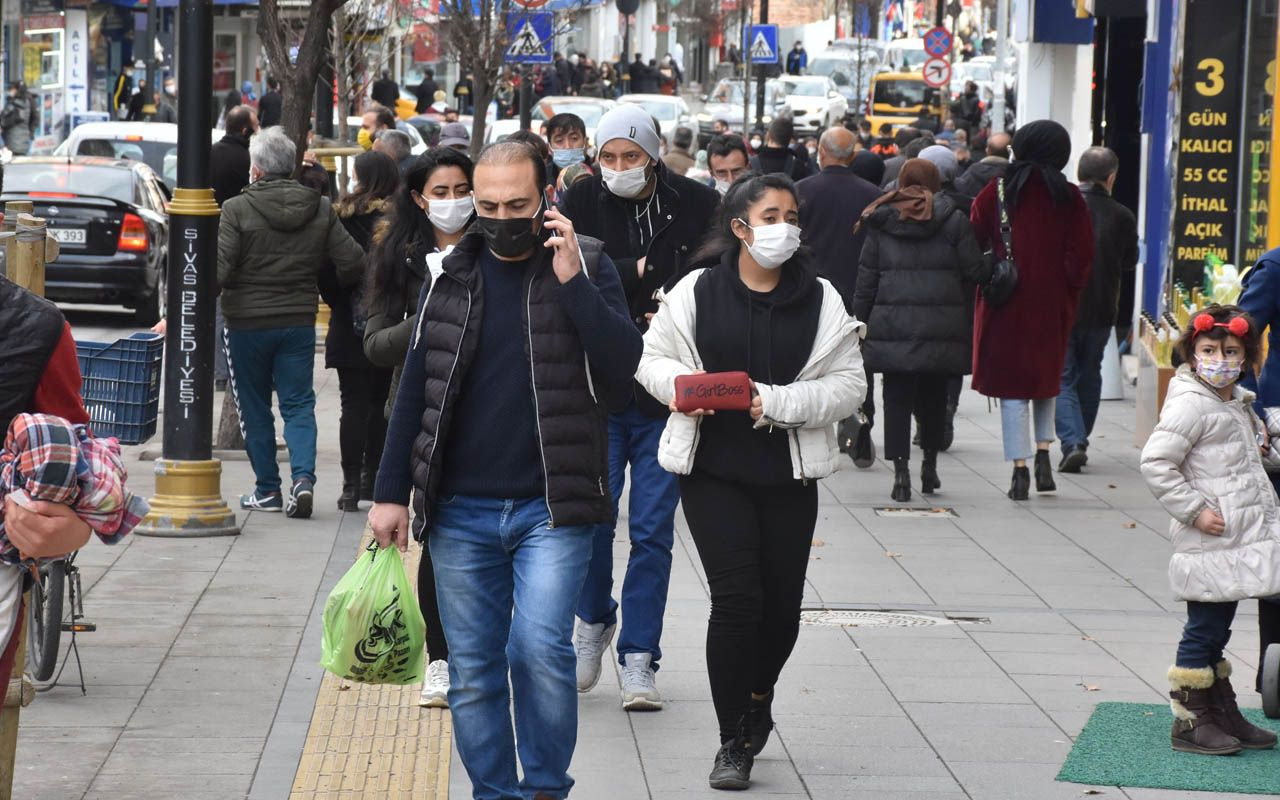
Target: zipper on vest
466,319
537,410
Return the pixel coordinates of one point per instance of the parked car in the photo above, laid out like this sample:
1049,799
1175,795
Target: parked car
153,143
109,218
671,111
590,109
815,104
726,102
979,72
905,55
417,147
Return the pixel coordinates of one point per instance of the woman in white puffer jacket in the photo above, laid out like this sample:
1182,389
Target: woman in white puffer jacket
1204,463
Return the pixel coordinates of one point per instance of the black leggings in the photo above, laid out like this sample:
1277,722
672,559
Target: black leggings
437,646
907,392
362,428
754,544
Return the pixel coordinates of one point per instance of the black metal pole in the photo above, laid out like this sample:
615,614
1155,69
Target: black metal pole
149,42
193,241
760,69
324,91
625,77
188,500
526,97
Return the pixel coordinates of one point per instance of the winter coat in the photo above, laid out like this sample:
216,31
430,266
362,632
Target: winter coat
574,389
15,124
830,204
1261,298
30,329
272,241
392,320
1115,252
915,291
229,167
686,211
828,389
1019,348
1204,454
270,108
344,344
976,177
678,161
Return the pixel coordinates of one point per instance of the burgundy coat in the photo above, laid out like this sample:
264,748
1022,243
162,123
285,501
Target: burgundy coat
1019,348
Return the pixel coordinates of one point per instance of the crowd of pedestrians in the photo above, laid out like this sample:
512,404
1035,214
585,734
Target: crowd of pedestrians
509,332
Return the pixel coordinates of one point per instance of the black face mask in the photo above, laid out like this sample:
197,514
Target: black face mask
511,238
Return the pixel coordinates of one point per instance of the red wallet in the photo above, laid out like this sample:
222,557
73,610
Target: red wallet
721,391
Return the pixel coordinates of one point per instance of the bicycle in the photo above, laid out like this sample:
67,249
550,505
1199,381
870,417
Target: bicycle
45,623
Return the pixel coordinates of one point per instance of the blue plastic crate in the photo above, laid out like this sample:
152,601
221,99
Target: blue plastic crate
121,385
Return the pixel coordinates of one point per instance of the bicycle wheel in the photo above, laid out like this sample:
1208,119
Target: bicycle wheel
44,620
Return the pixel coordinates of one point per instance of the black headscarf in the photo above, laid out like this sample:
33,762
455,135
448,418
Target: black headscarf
1042,146
868,166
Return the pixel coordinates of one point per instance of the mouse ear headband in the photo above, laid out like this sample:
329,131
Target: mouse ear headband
1237,326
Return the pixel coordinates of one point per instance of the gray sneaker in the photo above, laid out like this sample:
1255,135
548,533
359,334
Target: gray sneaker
639,690
590,642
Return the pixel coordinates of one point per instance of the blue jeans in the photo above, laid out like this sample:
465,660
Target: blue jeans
1081,386
492,557
1206,633
655,493
1014,426
285,358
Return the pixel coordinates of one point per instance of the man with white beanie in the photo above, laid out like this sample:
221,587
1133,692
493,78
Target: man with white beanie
651,221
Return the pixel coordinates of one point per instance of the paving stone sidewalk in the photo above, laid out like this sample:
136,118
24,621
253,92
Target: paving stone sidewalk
203,678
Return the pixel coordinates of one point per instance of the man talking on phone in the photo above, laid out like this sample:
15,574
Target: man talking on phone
524,345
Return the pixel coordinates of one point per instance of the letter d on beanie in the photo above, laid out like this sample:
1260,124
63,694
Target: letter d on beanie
632,123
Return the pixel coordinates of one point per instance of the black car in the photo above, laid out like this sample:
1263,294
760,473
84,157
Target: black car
109,218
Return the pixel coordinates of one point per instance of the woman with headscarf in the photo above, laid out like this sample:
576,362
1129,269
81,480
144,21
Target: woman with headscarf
1019,347
916,277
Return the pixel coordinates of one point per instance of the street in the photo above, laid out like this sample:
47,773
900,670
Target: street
203,681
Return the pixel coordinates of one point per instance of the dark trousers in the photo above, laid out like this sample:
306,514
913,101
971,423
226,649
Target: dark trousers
1077,406
362,428
907,393
754,544
437,646
1206,633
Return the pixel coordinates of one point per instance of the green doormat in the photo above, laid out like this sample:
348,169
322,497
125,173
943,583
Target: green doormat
1127,744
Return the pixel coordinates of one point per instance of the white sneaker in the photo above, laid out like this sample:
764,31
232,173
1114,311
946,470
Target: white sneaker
639,689
590,642
435,689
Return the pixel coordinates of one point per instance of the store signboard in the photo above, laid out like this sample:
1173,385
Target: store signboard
1207,141
1256,127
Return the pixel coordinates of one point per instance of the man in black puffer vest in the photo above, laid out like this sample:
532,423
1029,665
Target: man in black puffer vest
523,347
651,221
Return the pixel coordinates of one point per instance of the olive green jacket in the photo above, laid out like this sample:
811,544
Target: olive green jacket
273,239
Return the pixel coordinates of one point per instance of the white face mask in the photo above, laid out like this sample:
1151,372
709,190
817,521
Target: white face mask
773,244
723,186
450,215
628,183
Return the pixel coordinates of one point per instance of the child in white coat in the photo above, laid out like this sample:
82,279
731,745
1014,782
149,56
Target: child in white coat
1204,463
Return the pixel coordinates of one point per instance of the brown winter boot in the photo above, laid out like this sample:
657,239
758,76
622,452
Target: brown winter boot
1196,726
1230,719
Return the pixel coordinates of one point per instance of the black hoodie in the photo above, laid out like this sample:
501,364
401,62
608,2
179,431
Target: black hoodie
768,335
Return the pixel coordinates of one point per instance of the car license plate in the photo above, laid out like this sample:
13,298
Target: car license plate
68,235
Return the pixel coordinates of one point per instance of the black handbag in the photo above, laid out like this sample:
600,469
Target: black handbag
1004,272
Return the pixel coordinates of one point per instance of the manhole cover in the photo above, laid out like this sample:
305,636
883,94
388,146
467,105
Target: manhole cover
926,513
835,618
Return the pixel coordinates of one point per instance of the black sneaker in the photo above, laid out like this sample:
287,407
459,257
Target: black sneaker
300,498
759,723
732,770
1073,460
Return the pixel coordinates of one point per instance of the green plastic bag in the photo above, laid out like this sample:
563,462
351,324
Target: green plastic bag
373,628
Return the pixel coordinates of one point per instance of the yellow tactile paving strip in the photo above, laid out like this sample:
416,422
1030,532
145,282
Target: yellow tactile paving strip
374,742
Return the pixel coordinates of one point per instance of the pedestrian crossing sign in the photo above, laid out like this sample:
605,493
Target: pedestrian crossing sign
530,38
762,44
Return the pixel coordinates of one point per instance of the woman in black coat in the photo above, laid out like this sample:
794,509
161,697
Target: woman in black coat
362,387
915,288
